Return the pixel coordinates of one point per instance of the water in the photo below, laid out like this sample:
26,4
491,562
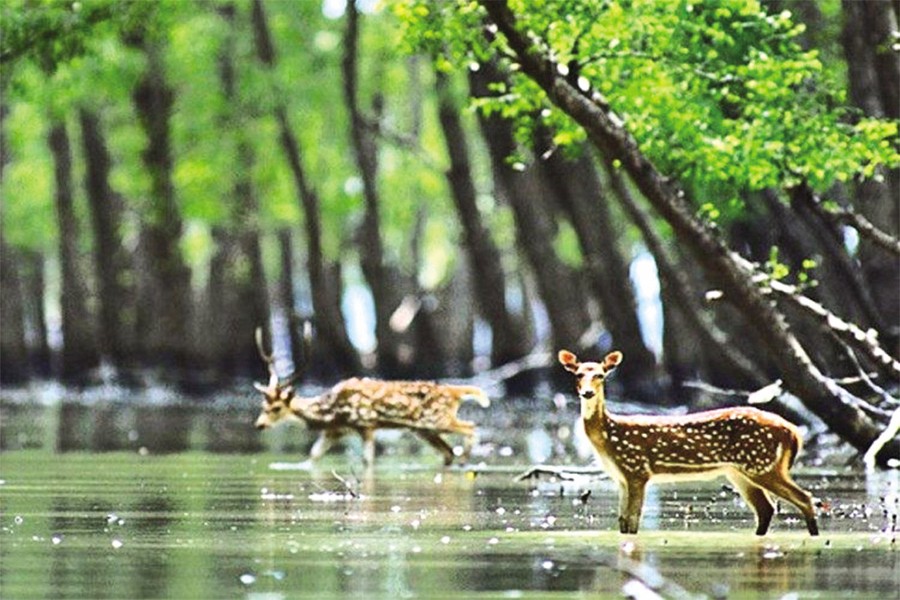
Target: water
203,525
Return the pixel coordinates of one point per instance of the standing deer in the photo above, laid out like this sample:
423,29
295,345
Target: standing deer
752,448
364,405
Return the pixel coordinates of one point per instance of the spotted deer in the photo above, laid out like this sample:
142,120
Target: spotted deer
753,449
365,405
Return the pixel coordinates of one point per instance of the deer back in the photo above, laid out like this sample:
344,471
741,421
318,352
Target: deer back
371,403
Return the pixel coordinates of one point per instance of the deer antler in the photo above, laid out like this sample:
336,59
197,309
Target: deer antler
269,359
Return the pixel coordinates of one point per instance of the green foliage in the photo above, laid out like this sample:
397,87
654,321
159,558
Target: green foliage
718,93
27,183
779,271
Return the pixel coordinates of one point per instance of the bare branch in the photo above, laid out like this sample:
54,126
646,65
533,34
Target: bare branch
847,332
848,216
889,433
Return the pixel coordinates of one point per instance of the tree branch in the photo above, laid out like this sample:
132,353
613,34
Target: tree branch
847,216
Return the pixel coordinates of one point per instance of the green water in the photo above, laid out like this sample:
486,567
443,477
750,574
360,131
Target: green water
200,525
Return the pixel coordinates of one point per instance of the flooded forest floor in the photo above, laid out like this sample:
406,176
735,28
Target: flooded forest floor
109,499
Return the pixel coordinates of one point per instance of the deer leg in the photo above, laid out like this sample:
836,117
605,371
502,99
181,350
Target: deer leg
322,444
439,443
782,485
368,436
757,498
631,503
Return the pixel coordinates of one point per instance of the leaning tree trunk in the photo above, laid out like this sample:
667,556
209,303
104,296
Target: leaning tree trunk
333,350
79,353
115,295
681,300
526,191
489,281
834,405
164,311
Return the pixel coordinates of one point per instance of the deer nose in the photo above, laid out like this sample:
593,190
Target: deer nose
587,394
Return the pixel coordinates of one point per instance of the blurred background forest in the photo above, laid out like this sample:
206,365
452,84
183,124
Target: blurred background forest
176,173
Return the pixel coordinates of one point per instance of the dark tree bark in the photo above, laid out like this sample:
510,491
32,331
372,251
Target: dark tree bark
287,298
79,353
13,352
873,71
115,295
526,191
239,302
821,394
488,279
691,337
578,190
32,269
333,351
387,284
164,312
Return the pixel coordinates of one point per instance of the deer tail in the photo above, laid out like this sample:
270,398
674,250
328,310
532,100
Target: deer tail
469,392
794,445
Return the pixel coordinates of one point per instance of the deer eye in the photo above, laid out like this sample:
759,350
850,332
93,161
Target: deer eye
598,377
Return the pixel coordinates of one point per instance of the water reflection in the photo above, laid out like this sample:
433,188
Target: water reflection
179,501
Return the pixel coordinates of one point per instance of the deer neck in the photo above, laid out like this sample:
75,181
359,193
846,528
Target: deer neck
303,407
593,410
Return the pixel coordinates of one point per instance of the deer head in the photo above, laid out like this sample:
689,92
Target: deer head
277,394
590,377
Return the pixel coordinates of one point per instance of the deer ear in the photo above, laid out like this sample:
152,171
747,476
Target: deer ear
612,361
568,360
260,387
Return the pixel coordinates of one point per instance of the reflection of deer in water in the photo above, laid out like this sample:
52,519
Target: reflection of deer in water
365,405
752,448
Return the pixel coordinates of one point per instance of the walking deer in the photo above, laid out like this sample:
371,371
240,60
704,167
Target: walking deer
365,405
752,448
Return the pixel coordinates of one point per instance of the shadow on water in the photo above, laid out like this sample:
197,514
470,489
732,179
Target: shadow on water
175,499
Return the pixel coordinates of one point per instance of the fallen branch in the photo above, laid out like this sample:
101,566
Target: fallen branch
564,473
509,370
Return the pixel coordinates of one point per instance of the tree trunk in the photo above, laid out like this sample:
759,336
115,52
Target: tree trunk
384,282
79,354
287,298
164,287
691,337
526,191
488,280
116,299
243,299
578,190
873,71
13,352
333,350
34,291
834,405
